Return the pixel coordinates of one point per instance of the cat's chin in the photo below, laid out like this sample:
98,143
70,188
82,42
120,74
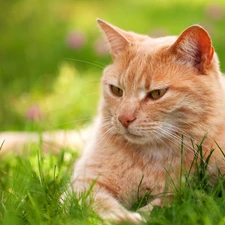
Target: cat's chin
135,139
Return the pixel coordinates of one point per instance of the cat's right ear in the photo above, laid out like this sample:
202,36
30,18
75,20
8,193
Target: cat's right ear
118,39
194,46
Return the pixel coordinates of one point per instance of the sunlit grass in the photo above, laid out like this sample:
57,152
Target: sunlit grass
31,188
32,184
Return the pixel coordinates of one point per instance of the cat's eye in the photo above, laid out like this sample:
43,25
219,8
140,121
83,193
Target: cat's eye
158,93
116,91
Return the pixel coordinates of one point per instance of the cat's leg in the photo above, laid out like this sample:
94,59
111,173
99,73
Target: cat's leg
105,204
148,208
111,210
156,202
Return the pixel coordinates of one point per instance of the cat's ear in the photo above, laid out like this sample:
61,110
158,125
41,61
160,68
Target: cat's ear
118,39
194,46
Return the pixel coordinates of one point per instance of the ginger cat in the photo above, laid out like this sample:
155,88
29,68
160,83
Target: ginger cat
155,91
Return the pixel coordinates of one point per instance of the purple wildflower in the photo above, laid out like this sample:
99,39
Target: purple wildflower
76,40
34,113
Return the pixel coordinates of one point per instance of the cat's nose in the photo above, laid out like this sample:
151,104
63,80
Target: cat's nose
126,119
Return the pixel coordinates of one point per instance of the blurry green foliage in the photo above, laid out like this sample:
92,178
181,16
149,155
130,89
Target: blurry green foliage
41,40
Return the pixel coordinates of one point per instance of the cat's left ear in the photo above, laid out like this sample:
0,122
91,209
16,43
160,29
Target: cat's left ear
194,46
117,38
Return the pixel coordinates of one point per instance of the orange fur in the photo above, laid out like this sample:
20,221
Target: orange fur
137,139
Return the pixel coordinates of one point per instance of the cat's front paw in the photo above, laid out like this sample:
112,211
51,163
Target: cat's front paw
149,207
131,217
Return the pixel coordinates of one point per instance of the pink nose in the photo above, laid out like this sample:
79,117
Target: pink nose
126,120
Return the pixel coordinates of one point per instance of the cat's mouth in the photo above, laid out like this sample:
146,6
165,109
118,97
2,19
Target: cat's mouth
128,133
134,138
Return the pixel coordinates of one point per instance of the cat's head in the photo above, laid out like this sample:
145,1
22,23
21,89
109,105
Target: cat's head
157,89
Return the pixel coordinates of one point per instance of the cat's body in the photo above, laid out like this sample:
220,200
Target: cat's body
52,141
155,92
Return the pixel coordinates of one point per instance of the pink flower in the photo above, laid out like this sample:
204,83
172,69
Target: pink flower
158,32
100,47
215,11
76,40
34,113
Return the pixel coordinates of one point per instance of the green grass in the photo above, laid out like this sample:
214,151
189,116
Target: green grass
32,184
31,188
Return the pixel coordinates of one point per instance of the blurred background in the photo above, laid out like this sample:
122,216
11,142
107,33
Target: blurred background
52,53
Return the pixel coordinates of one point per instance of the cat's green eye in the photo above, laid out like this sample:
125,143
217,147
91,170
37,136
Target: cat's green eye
158,93
116,91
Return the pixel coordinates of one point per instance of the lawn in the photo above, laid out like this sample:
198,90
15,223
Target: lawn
51,64
32,185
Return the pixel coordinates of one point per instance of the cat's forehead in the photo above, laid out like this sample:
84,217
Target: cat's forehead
147,69
150,44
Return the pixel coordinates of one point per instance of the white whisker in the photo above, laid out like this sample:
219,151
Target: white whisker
71,122
90,63
188,147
